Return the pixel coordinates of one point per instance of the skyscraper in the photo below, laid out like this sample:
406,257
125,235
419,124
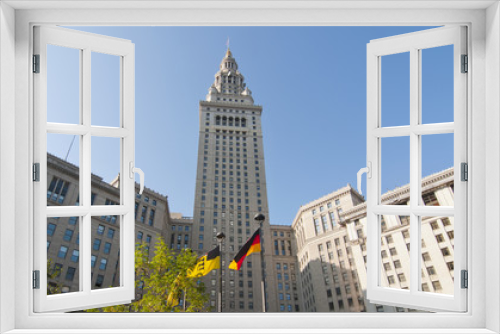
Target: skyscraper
231,187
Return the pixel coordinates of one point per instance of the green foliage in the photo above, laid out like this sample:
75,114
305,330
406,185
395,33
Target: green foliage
164,274
53,273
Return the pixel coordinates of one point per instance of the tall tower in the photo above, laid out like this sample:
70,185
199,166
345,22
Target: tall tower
231,187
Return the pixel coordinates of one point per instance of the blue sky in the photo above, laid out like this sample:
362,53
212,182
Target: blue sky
311,82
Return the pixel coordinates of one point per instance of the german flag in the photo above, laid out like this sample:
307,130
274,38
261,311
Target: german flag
206,263
251,246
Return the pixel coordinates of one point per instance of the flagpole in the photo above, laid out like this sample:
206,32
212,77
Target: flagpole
185,295
220,237
260,219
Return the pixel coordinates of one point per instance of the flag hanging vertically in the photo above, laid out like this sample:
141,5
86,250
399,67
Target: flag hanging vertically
172,299
251,246
206,263
174,294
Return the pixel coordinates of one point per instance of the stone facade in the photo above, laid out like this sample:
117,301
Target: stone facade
327,273
284,262
180,231
151,221
231,187
331,247
437,237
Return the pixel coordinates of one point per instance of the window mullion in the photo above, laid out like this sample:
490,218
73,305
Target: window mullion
415,169
85,173
373,119
127,187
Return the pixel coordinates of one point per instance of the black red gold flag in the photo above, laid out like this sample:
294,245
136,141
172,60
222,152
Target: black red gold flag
251,246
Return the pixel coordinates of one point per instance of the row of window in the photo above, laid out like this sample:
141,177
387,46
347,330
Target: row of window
231,110
63,251
328,205
241,294
286,276
70,275
230,100
146,199
231,206
241,284
324,225
140,236
285,250
144,210
281,234
289,308
230,121
232,304
57,191
68,234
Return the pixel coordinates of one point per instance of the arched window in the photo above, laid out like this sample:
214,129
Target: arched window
224,120
243,122
230,121
237,121
217,120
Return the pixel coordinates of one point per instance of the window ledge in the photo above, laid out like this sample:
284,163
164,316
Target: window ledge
251,331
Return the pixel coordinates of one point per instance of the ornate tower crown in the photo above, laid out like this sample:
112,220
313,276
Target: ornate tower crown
229,84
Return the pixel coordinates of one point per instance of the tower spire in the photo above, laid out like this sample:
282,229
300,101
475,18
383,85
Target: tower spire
229,84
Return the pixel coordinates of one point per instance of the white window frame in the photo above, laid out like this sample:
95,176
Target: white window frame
414,43
483,20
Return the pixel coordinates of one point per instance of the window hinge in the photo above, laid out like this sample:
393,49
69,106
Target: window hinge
36,172
465,64
464,274
464,172
36,279
36,63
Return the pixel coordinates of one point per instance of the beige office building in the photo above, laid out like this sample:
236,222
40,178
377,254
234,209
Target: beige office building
331,247
328,278
63,252
437,237
180,231
286,271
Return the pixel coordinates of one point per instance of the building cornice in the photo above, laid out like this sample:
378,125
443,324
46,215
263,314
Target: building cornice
228,104
344,191
403,193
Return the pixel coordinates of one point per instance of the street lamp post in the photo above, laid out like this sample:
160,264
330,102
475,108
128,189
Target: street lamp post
259,218
220,237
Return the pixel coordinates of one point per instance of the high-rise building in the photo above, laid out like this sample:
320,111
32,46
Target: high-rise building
231,187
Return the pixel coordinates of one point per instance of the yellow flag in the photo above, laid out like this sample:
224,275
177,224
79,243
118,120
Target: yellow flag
206,263
171,300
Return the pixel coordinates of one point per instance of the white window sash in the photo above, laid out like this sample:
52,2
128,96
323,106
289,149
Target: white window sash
413,43
85,297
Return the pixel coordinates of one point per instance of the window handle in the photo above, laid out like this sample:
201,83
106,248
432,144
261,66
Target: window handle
134,170
368,171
